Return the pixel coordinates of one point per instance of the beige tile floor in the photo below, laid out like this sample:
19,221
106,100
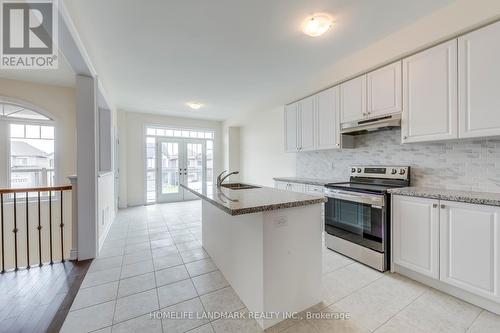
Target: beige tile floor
153,260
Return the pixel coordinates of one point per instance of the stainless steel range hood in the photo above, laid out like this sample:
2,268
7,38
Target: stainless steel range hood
371,125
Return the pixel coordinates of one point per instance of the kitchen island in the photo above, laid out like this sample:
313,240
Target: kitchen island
267,243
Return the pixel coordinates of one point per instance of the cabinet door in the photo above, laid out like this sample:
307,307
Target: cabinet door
478,74
415,223
280,185
384,90
306,123
291,128
469,247
353,99
430,99
327,120
295,187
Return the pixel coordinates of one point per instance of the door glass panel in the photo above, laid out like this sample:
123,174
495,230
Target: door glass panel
150,169
195,165
169,167
210,165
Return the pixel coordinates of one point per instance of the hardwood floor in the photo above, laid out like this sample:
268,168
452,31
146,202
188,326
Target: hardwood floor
38,299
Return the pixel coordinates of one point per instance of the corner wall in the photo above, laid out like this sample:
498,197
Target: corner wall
261,152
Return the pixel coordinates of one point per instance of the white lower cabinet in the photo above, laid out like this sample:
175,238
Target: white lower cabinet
416,234
294,187
281,185
315,189
452,242
469,248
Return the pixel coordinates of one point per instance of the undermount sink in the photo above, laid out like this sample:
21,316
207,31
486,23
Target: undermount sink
238,186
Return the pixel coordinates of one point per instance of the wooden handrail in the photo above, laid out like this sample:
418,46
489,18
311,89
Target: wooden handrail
36,189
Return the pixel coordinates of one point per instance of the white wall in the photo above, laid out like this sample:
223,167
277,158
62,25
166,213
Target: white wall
261,133
231,151
131,135
261,154
60,103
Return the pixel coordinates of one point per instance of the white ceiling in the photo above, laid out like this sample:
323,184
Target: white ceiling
231,55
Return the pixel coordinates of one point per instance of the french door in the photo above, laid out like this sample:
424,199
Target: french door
180,161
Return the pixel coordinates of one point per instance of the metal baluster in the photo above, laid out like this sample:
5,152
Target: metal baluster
62,225
39,232
27,234
50,225
1,216
15,232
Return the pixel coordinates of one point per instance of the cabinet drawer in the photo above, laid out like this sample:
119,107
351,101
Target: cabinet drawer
315,189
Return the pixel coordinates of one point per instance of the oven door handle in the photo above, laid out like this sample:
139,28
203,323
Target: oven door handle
375,200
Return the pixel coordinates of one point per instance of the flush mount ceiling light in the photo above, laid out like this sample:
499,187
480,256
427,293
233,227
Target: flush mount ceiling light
194,105
317,24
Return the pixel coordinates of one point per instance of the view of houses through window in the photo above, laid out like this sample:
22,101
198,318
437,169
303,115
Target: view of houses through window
31,156
28,137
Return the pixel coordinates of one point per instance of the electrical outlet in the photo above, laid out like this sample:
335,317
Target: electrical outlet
280,221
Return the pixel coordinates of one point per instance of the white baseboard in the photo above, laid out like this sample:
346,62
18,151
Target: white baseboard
446,288
73,254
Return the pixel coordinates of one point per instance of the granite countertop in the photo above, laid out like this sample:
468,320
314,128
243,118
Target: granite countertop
481,198
310,181
247,201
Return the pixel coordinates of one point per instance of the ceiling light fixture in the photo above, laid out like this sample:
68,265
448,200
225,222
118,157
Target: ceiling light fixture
317,24
194,106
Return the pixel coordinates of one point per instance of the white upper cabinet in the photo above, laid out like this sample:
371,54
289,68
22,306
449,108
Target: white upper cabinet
353,99
430,110
291,128
313,123
384,90
415,235
479,92
307,123
327,129
469,243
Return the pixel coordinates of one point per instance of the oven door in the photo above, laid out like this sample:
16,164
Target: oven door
357,217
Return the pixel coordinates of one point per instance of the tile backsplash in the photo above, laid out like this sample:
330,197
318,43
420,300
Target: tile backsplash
472,165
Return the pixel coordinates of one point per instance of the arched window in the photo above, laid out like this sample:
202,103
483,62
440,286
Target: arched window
27,137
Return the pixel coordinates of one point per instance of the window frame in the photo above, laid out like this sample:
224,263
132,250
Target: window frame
5,138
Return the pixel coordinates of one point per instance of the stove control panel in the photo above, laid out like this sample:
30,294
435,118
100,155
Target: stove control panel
389,172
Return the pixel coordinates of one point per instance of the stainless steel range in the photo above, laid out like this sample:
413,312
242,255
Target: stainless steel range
357,213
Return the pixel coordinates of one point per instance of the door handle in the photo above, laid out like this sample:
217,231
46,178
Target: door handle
443,206
434,205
